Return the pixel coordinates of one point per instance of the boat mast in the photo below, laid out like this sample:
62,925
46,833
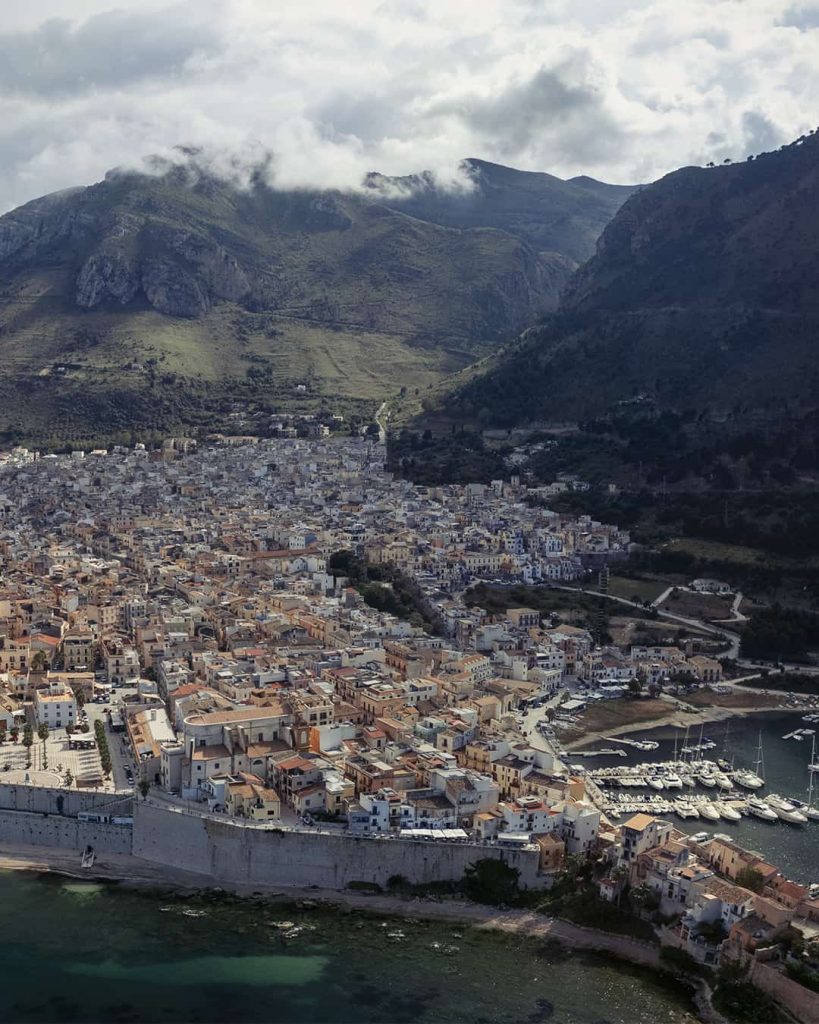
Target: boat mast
759,764
810,770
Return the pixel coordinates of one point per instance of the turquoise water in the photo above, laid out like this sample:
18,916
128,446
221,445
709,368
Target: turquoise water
76,952
793,849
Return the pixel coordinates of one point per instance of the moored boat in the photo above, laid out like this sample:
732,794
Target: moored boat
726,811
759,809
786,810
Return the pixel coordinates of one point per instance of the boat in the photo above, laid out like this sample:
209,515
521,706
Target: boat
723,765
810,812
753,779
672,781
706,778
726,811
722,780
747,779
700,837
655,782
786,810
686,810
759,809
708,811
687,780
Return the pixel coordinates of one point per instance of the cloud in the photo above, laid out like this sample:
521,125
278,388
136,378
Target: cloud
109,50
558,108
624,90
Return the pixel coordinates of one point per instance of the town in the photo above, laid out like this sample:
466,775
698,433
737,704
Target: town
279,634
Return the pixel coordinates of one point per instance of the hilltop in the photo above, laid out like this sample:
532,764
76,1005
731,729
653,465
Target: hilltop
685,347
154,301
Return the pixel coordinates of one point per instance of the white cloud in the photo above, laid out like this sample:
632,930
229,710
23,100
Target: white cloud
625,90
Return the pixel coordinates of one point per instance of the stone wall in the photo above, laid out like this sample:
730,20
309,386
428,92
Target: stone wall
48,800
234,853
801,1002
54,830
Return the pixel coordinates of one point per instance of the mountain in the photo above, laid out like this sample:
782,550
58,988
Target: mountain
552,215
688,342
171,299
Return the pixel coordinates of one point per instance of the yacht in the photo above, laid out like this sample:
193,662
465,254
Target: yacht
672,781
687,780
655,781
810,812
706,778
747,779
700,837
722,780
708,811
727,811
786,810
759,809
687,810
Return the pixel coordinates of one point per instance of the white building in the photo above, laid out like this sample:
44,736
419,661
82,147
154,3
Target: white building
55,706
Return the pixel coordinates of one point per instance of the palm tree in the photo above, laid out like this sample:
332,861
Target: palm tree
42,732
28,742
69,778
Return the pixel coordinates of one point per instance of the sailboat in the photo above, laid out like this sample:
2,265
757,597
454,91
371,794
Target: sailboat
752,779
808,809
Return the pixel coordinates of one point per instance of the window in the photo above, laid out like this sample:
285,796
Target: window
216,765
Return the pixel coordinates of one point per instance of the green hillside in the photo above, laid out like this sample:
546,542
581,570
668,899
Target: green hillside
685,348
160,301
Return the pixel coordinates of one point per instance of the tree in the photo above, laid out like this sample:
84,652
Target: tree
69,778
750,878
39,662
28,742
15,734
144,788
491,881
42,732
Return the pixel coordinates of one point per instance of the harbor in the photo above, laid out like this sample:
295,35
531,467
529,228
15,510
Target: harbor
740,777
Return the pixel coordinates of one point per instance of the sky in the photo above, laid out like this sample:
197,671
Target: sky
623,90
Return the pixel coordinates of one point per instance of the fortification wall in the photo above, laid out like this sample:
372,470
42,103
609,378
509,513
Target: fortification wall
50,800
233,853
54,830
801,1002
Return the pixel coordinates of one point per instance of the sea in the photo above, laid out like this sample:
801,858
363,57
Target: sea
794,849
80,951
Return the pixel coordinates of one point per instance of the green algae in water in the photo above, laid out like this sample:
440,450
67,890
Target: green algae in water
118,957
211,970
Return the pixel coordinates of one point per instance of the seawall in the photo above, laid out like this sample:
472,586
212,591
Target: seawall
54,830
232,853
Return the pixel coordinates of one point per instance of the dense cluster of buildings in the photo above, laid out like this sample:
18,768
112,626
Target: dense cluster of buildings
259,683
723,903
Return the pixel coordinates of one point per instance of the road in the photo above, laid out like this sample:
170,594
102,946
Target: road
704,627
382,418
121,754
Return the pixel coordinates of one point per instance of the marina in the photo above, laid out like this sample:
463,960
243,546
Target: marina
755,786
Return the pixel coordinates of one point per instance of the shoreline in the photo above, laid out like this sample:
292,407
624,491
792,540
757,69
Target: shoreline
678,719
134,873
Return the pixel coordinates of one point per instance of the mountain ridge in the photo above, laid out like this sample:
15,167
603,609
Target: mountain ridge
247,289
692,329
